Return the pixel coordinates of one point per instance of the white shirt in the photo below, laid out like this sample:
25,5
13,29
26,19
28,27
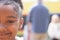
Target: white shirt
18,38
25,32
54,30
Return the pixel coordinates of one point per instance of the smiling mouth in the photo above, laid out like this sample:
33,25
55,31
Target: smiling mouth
6,33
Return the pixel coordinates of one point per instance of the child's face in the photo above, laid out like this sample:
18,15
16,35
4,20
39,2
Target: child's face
55,18
9,23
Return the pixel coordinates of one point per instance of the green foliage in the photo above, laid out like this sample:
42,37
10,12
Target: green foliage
20,34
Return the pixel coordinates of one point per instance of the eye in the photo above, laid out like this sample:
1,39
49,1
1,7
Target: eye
11,21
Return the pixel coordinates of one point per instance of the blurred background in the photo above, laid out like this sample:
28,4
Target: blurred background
52,5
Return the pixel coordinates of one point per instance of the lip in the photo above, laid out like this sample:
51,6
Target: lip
5,35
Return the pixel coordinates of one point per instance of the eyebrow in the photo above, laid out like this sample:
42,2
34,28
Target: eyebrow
12,17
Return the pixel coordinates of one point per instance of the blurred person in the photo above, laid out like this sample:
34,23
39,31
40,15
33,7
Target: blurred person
24,17
38,20
54,28
10,20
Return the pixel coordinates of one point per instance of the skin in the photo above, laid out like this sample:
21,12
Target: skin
40,1
9,22
55,19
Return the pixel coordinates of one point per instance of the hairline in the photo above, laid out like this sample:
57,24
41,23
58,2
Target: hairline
14,5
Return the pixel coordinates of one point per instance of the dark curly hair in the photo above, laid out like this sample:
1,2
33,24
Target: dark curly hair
18,1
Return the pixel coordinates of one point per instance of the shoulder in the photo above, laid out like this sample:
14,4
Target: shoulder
41,7
51,24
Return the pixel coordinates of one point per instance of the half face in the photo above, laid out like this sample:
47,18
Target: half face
9,23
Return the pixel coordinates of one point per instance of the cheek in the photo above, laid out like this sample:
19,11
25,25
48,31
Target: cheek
13,29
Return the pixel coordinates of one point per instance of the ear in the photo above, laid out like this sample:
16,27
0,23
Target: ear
21,23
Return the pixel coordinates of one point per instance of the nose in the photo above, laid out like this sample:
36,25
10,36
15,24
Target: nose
2,28
1,25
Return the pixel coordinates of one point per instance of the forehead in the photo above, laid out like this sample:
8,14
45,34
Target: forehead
6,7
7,10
